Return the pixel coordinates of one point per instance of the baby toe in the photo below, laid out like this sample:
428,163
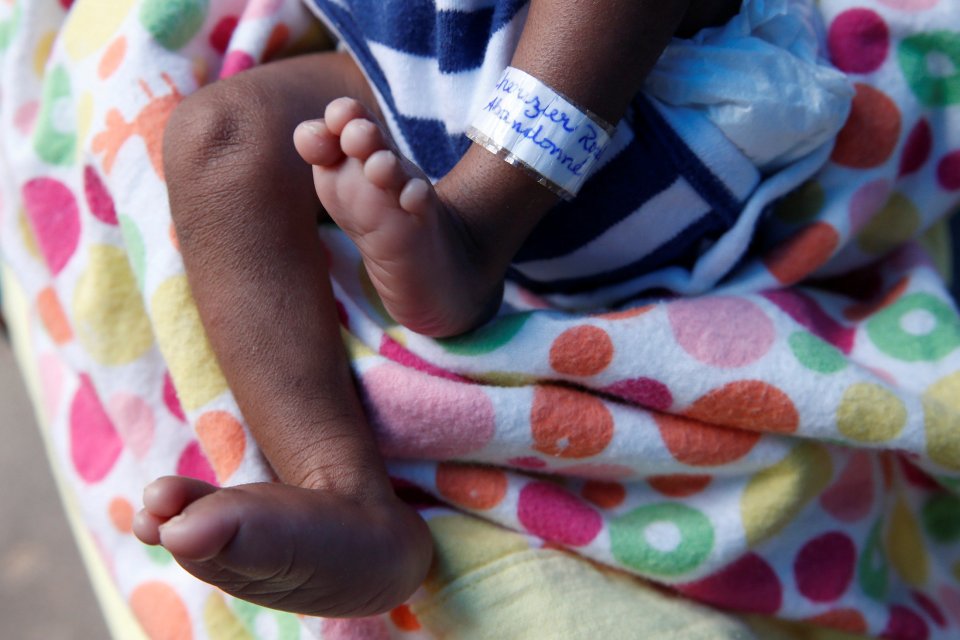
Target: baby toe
341,111
361,138
316,144
384,170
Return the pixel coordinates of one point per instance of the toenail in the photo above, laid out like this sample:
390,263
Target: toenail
314,127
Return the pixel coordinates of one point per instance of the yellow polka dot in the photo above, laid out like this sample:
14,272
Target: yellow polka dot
398,336
84,118
905,545
221,622
42,53
947,391
91,25
890,227
942,424
774,496
870,413
355,348
184,344
504,378
108,314
26,235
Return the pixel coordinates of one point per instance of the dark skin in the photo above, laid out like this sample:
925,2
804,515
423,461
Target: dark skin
333,539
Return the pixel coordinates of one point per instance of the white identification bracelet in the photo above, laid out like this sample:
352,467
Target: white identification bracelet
530,125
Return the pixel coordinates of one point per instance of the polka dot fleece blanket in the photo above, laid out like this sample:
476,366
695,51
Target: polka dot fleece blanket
787,446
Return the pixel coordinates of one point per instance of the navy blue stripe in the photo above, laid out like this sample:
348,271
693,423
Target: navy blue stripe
672,253
457,39
711,188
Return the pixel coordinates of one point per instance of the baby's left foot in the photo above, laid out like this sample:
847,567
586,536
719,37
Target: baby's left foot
306,551
419,253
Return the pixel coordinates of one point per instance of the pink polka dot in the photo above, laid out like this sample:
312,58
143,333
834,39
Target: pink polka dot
858,41
805,311
930,608
171,400
392,349
910,5
94,443
748,585
422,416
527,462
373,628
916,150
261,8
723,332
905,624
98,198
26,116
851,497
555,514
948,171
222,32
235,62
866,202
53,213
950,599
645,392
824,567
193,464
133,418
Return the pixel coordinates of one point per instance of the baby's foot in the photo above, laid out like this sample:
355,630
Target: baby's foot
288,548
417,250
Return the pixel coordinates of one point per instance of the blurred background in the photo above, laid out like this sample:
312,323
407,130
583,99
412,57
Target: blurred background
44,590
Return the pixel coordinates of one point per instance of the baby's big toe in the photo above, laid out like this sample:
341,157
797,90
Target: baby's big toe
316,144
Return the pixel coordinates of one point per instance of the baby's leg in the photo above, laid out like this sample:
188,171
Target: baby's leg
246,213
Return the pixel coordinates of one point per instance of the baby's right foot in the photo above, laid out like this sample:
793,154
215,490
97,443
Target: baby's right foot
418,252
283,547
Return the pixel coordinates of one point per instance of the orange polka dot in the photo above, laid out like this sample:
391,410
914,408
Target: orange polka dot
626,314
581,351
747,404
112,58
404,619
861,310
276,42
161,612
568,423
604,494
53,317
174,240
701,445
679,486
471,487
121,514
802,253
223,442
849,620
871,132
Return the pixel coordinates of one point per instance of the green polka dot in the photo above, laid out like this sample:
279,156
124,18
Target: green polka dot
55,138
173,23
159,555
872,567
897,222
941,518
886,329
931,64
666,539
487,338
816,354
136,249
287,625
9,27
870,413
802,204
